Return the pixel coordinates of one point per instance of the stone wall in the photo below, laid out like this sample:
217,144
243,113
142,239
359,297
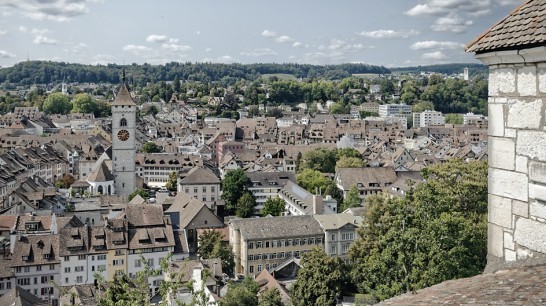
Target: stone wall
517,157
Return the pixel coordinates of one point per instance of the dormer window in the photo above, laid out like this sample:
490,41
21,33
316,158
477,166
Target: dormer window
25,258
46,256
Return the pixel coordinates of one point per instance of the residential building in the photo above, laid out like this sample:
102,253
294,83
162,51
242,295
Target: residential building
428,117
200,183
264,243
474,119
340,231
7,276
368,180
299,201
155,168
266,185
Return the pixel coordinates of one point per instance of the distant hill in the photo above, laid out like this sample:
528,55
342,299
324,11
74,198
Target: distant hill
473,69
45,72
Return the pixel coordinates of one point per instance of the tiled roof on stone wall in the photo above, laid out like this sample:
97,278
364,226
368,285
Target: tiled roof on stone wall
524,26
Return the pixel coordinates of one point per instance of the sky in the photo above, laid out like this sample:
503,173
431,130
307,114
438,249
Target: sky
391,33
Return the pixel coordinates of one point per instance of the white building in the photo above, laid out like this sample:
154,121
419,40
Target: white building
340,231
301,202
471,118
428,118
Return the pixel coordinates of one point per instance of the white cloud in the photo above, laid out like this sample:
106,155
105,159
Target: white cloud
6,54
3,32
296,44
77,49
44,40
451,23
259,52
39,31
198,33
175,47
284,38
226,59
440,7
431,44
434,56
156,38
508,2
56,10
136,49
267,33
381,34
102,59
208,49
22,29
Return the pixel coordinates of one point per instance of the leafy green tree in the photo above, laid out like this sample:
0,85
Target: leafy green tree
454,119
437,232
270,297
320,159
65,181
298,162
176,84
171,184
152,110
234,185
150,147
212,245
83,103
244,293
141,192
349,162
353,199
274,207
253,111
57,103
320,281
422,106
245,205
313,180
274,112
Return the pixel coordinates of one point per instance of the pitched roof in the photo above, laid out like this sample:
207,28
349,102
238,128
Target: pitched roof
21,297
123,98
144,215
524,26
37,250
277,227
200,175
101,174
337,221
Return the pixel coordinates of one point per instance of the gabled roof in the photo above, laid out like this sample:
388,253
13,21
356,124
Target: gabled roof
200,175
524,26
21,297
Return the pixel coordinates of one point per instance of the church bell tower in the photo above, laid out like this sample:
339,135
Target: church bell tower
124,141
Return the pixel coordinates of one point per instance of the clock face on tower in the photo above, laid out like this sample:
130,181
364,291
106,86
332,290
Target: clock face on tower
123,135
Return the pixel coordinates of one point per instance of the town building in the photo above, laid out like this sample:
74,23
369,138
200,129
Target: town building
427,118
299,202
340,231
202,184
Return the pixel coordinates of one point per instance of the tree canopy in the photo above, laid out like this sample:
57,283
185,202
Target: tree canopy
245,205
171,184
151,147
437,232
244,293
57,103
234,185
274,207
211,245
352,200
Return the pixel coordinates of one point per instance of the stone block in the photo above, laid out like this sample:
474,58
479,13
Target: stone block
537,192
502,153
537,209
509,241
522,164
531,234
523,253
496,120
527,81
495,240
542,80
520,208
502,81
508,184
524,115
510,133
500,211
537,172
509,255
532,144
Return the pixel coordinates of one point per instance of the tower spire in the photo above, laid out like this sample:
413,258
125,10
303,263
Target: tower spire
123,75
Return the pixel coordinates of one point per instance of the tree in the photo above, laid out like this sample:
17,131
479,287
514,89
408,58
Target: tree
454,119
320,159
57,103
438,231
245,205
274,207
151,147
253,111
171,184
349,162
313,180
83,103
352,200
141,192
176,84
244,293
274,112
422,106
270,297
233,186
211,245
320,281
66,181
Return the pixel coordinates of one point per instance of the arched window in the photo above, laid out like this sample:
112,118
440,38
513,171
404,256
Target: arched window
99,189
123,122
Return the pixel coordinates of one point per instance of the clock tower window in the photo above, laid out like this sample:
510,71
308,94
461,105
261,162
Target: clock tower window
123,122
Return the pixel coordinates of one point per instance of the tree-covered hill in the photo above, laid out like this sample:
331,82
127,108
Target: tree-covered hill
45,72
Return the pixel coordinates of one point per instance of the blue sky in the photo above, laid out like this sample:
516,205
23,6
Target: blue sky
386,32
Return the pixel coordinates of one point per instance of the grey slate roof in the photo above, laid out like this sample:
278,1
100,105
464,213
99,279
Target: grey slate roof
101,174
21,297
524,26
123,98
277,227
200,175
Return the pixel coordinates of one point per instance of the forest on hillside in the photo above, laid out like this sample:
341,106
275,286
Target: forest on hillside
46,72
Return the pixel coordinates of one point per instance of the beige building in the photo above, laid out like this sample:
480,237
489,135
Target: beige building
202,184
265,243
340,231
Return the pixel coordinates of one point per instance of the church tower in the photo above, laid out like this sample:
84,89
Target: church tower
124,140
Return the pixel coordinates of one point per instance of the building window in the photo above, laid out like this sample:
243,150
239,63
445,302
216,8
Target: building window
44,279
259,268
101,257
78,269
123,122
251,245
118,262
119,252
66,269
289,242
187,190
212,189
26,269
137,263
81,257
67,258
267,244
204,198
250,269
79,279
344,248
38,268
204,189
333,237
258,244
333,250
151,262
